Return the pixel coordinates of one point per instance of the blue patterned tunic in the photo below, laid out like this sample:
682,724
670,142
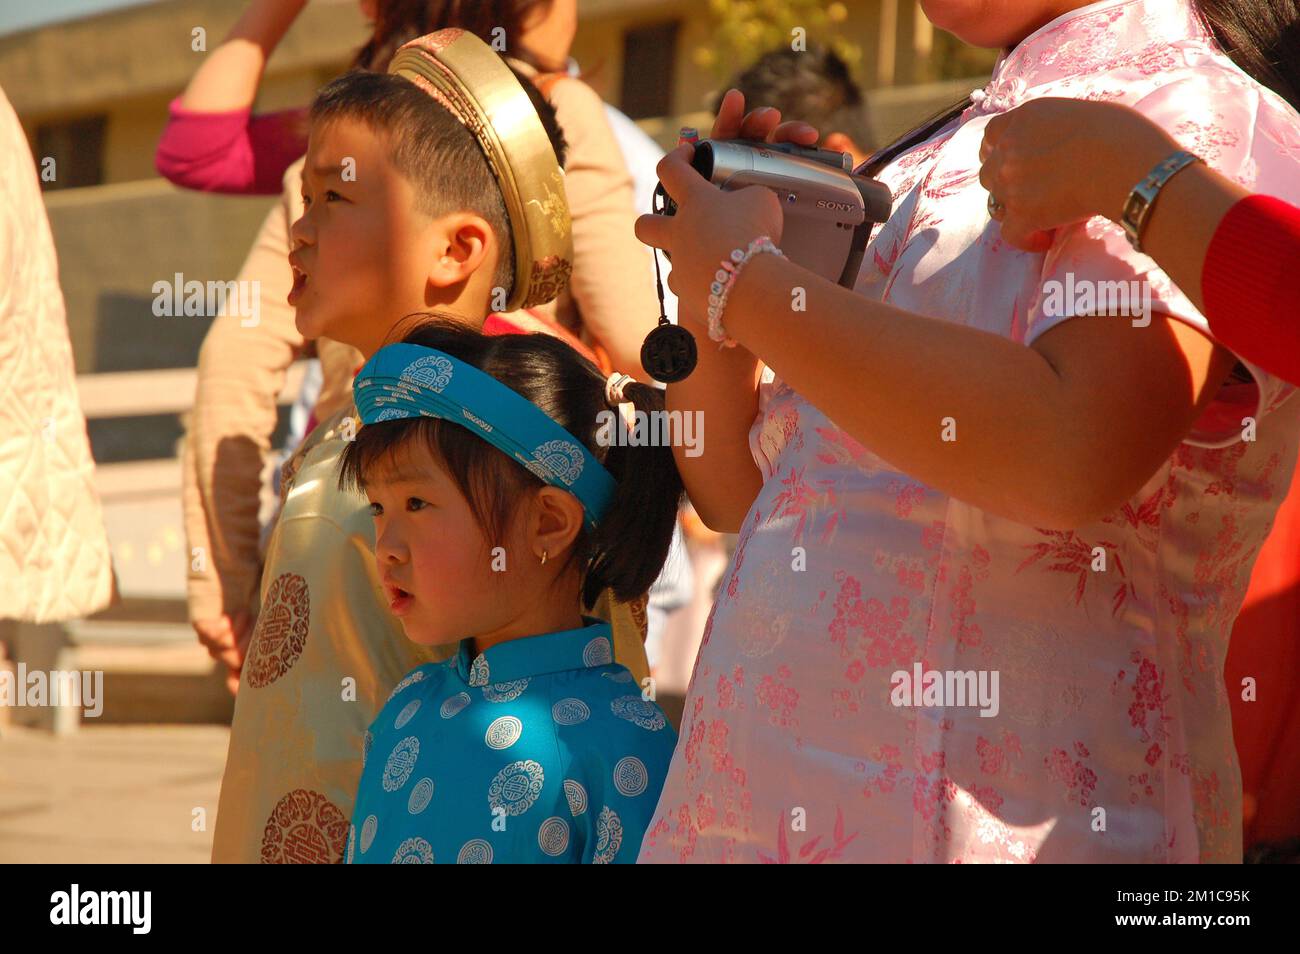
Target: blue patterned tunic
538,750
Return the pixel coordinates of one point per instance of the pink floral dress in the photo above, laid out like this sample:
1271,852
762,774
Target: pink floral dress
1111,740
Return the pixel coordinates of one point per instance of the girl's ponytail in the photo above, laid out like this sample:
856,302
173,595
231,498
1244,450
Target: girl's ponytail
629,547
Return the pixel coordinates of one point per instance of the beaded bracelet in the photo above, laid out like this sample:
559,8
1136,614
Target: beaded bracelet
726,278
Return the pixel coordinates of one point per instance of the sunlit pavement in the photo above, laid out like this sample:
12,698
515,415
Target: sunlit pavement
111,793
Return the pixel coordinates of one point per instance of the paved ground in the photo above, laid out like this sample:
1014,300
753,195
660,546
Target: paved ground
110,793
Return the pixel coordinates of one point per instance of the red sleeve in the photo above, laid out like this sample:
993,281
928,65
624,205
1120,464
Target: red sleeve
233,151
1251,284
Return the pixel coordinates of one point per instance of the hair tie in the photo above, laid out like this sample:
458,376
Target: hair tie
614,385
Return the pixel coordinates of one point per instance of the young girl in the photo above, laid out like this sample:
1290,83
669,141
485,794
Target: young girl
499,499
992,543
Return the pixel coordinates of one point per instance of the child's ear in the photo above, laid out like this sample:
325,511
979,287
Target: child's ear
463,245
554,522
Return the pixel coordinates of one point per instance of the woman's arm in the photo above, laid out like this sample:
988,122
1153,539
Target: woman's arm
212,142
722,480
230,74
1037,439
1232,256
241,371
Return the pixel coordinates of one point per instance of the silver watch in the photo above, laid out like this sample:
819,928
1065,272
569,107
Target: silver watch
1137,209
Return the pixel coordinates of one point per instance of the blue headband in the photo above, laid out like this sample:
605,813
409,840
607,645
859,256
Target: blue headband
407,381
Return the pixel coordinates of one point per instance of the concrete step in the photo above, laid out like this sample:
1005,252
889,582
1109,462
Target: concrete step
153,672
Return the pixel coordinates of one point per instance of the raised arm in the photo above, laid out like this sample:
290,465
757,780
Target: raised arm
212,141
230,74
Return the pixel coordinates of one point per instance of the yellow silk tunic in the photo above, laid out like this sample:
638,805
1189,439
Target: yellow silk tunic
324,657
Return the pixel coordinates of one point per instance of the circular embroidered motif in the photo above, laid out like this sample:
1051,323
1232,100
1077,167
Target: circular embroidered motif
598,652
630,776
281,630
454,705
368,828
478,671
576,796
516,787
609,835
408,711
558,459
414,851
421,795
408,680
505,691
304,828
553,836
503,732
570,712
475,852
401,762
433,372
637,710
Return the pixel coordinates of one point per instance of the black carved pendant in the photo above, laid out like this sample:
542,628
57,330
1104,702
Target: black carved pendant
668,353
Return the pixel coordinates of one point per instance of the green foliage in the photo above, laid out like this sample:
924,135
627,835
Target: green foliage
746,29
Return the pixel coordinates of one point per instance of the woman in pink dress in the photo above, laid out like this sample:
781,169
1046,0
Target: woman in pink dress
990,556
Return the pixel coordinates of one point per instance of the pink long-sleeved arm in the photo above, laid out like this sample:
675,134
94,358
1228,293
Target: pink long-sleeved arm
232,152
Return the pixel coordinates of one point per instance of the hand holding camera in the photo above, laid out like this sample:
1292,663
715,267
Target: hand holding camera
810,204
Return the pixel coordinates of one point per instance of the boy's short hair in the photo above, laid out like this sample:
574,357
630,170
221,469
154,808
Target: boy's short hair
436,153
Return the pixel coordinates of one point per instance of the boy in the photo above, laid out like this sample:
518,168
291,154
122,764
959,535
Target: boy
434,190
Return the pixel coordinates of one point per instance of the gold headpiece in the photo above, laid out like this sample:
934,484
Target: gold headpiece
465,75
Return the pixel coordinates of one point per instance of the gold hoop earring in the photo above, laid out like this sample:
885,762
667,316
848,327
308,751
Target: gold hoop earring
543,558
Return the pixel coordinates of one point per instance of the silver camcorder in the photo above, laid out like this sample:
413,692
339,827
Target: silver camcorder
829,212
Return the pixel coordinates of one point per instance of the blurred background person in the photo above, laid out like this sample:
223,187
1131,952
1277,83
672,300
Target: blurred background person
813,86
54,555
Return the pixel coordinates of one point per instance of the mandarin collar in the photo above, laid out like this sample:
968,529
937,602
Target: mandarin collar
586,647
1086,40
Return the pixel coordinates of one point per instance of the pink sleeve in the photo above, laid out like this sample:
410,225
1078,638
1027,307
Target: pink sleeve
234,151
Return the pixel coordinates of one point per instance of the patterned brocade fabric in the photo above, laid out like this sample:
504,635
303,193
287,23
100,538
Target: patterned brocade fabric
538,750
1112,739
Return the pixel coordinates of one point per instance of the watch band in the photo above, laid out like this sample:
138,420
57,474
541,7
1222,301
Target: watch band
1137,209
